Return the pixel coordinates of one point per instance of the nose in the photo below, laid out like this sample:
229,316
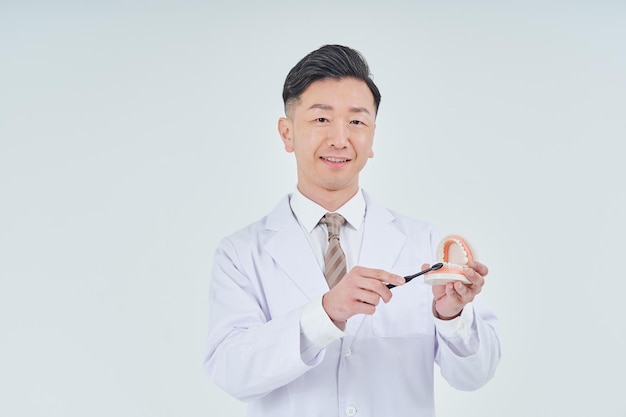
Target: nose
339,135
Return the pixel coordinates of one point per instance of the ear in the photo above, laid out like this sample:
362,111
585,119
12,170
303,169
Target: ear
285,129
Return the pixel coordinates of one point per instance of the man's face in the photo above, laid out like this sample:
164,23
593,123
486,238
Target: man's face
331,132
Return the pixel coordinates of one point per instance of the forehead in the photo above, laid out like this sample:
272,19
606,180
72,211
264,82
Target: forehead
338,94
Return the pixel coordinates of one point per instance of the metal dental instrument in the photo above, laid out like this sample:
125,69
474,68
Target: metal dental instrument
410,277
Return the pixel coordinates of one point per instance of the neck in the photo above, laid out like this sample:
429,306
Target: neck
331,200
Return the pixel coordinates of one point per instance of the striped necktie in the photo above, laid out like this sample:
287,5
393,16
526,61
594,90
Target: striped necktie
335,260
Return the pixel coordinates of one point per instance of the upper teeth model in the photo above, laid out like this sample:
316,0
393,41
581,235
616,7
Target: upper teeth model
455,253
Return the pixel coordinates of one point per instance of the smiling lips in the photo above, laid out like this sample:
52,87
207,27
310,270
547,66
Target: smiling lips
455,253
334,159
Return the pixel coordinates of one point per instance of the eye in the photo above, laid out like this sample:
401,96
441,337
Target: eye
321,120
356,122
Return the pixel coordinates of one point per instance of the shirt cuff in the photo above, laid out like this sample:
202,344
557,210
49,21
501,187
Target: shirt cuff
459,327
317,330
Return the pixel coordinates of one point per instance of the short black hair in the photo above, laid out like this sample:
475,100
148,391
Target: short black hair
328,62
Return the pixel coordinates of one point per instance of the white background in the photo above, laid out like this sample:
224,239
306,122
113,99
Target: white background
135,135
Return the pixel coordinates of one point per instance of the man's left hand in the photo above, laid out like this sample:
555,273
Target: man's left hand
451,298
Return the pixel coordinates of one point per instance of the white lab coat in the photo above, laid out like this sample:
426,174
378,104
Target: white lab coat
263,276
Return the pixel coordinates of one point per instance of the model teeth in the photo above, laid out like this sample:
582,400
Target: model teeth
453,265
454,250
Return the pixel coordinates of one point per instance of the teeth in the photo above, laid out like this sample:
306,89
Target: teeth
336,159
454,266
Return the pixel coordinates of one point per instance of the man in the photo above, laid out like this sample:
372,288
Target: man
293,342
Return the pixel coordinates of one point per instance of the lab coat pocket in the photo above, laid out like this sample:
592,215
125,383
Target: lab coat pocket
407,315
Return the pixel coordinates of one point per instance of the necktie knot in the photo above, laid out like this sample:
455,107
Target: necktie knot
333,222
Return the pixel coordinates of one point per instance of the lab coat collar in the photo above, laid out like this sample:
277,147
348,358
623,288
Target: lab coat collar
291,250
309,212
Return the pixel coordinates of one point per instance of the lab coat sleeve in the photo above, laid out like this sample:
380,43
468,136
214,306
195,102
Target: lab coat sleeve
469,366
249,353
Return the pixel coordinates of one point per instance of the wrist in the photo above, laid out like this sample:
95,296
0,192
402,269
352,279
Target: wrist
341,325
444,317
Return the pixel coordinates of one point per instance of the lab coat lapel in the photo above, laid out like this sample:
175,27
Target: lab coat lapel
382,240
381,246
292,252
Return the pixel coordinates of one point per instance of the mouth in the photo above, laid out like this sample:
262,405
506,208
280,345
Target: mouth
334,160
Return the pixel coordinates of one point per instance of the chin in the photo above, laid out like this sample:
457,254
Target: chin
335,186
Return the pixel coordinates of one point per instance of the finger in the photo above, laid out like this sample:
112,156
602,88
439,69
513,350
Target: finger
475,278
456,292
377,288
439,291
450,291
380,275
368,297
344,301
479,268
465,292
358,307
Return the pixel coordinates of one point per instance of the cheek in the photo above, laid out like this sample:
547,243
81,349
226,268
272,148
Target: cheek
368,147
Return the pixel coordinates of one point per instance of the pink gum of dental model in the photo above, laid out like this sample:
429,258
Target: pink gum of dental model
455,253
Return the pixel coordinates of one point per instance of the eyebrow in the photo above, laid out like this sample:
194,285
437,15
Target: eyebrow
329,107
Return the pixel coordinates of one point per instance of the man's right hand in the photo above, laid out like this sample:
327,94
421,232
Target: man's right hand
359,292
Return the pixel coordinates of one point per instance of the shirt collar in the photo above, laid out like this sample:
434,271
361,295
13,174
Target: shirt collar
309,213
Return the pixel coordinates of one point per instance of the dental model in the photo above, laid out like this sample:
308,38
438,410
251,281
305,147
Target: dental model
455,253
